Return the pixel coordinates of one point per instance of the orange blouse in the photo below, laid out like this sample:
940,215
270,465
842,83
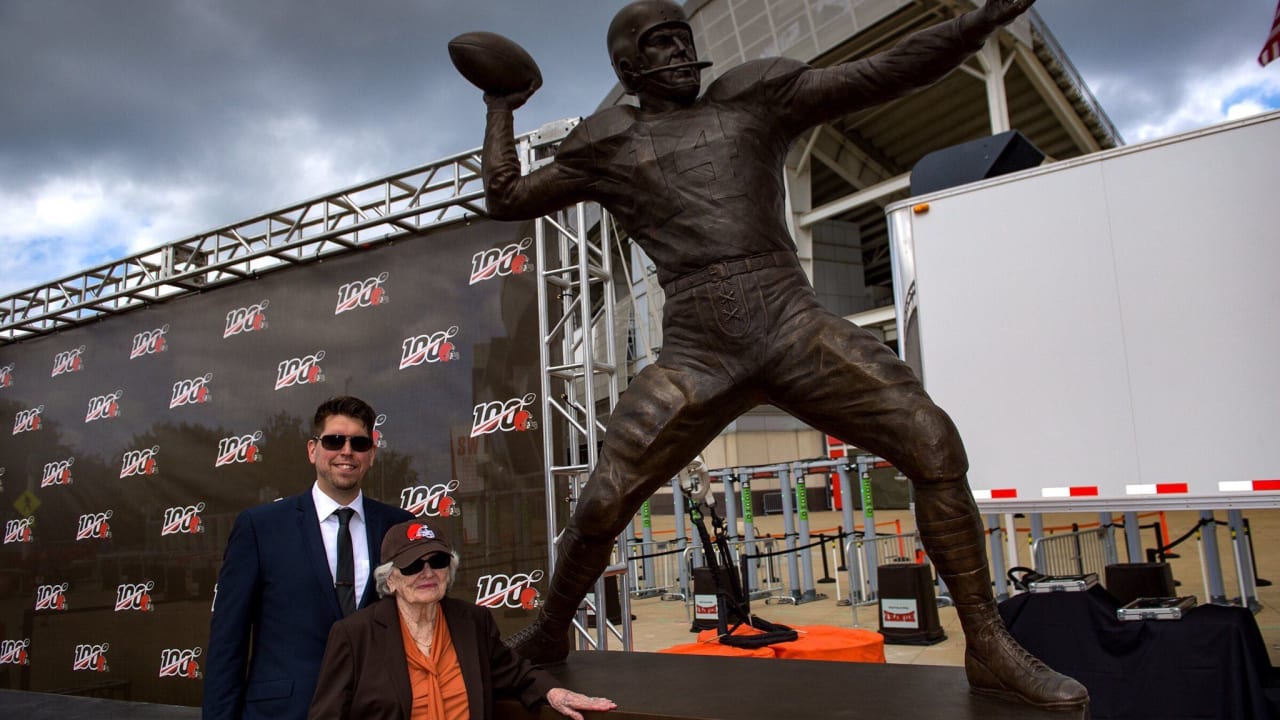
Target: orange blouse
438,690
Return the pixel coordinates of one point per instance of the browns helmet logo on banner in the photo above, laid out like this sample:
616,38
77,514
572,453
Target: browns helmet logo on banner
246,319
104,407
51,597
68,361
140,462
503,416
500,262
57,473
192,391
94,526
149,342
14,652
239,449
183,519
27,420
91,657
18,531
135,596
303,370
431,348
512,591
430,500
362,293
180,663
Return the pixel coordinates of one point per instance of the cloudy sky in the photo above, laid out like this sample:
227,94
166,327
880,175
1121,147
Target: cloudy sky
131,123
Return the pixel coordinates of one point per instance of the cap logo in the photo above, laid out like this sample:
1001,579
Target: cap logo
418,531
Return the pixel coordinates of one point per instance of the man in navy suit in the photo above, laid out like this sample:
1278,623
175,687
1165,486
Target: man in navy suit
279,592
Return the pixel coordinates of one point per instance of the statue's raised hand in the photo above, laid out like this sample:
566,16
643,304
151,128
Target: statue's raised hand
999,12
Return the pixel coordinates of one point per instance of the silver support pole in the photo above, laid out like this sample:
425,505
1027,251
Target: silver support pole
748,530
789,530
1133,537
997,558
808,591
1037,532
1212,560
1244,561
681,538
868,521
730,504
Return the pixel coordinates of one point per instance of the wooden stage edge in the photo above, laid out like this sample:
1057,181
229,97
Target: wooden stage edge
656,686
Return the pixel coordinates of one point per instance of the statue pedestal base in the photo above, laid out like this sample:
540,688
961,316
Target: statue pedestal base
653,686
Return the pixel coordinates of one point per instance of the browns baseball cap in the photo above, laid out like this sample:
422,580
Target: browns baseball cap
408,541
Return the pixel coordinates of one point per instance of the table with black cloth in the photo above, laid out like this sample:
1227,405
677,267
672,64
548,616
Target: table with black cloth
1212,663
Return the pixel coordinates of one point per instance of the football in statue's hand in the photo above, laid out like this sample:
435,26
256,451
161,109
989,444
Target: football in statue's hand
494,63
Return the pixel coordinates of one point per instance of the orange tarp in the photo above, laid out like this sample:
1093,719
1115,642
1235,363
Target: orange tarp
816,642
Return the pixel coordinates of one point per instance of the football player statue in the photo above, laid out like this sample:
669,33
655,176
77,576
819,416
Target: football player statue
697,181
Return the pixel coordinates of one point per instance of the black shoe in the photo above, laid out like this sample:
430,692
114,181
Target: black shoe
540,647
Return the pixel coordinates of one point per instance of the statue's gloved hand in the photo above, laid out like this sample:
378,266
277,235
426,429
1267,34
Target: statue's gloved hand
999,12
512,101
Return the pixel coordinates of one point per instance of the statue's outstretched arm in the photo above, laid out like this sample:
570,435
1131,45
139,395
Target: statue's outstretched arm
918,61
508,195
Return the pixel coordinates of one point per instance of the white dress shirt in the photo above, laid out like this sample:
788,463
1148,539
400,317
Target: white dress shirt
326,513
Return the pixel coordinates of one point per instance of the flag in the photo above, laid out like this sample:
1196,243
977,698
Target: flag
1271,50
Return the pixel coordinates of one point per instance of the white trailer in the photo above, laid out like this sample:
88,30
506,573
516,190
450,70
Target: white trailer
1105,331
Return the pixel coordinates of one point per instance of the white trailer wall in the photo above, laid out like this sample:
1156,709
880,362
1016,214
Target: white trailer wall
1106,331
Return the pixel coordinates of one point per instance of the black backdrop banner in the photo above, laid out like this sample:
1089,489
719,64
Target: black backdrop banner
136,440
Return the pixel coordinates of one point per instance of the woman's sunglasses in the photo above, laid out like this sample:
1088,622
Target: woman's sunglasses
334,443
435,561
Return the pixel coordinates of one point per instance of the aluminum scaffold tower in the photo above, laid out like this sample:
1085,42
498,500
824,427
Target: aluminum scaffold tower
581,374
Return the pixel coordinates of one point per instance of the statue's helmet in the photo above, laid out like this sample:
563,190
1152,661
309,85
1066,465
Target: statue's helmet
629,27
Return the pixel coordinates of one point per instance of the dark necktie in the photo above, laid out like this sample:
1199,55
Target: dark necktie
345,582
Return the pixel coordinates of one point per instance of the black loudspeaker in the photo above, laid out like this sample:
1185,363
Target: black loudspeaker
1130,581
908,606
972,161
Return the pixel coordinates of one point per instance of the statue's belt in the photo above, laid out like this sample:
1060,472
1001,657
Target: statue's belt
728,268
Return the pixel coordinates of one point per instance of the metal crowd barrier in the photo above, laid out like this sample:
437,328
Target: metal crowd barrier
1076,553
660,576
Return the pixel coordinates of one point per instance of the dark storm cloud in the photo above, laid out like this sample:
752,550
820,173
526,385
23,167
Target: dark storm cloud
126,124
1147,59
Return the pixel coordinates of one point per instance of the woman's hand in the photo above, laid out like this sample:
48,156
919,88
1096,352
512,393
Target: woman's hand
568,703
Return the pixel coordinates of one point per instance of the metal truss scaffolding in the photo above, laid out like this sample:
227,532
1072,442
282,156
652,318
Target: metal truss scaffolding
375,212
580,383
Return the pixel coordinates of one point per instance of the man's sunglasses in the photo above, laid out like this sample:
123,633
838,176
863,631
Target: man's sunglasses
435,561
333,443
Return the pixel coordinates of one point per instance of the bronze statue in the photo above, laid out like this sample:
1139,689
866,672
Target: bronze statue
698,182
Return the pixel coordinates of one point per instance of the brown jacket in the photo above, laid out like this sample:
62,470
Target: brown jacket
365,674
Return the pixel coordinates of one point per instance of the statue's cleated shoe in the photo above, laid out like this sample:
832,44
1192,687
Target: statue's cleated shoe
540,647
998,666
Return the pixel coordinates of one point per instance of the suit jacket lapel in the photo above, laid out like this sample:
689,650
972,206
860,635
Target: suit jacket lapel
465,644
392,653
313,545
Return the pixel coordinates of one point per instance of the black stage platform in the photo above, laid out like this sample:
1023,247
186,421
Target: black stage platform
653,686
47,706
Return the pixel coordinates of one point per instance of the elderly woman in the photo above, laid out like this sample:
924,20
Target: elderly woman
417,654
